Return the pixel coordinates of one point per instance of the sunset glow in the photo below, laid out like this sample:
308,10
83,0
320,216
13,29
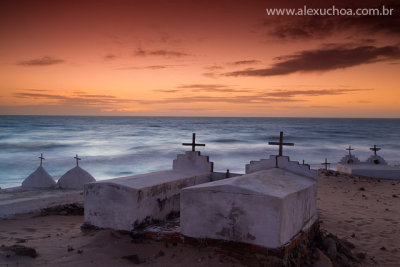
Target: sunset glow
195,58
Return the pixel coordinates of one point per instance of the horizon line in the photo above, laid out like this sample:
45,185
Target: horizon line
173,116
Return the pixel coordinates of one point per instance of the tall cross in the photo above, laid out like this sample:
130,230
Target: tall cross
326,163
193,143
41,158
280,143
350,149
77,159
374,149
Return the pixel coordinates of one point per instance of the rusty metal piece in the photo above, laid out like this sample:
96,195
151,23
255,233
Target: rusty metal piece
193,143
280,143
326,163
77,159
375,149
41,158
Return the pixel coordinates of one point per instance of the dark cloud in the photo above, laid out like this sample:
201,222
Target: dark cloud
162,53
213,75
152,67
44,61
246,62
257,97
247,96
110,56
201,86
168,91
209,88
325,59
257,92
76,99
318,27
249,99
316,92
213,68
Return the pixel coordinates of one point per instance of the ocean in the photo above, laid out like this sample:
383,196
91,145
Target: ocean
120,146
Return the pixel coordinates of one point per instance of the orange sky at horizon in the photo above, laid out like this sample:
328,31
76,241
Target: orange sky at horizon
203,58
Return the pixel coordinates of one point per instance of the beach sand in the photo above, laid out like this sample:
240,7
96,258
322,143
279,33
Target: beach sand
363,211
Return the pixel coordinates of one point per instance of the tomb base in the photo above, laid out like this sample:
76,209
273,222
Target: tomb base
171,232
371,170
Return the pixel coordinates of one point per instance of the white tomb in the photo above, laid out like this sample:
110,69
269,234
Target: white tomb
376,160
75,178
375,167
127,202
268,206
40,178
349,159
371,170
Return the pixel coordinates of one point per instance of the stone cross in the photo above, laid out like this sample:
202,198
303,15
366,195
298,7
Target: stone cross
350,149
326,163
374,149
193,143
280,143
41,158
77,159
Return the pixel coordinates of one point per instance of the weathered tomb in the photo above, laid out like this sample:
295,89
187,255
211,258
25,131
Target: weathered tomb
349,159
267,207
128,202
375,159
75,178
375,166
40,178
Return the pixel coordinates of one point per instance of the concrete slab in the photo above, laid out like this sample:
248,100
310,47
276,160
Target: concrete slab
20,200
40,178
126,202
75,178
371,170
282,162
265,208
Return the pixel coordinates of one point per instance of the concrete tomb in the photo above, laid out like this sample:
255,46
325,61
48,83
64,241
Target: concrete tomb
375,159
128,202
375,166
75,178
268,206
349,159
40,178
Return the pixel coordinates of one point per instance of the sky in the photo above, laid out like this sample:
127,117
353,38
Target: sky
197,58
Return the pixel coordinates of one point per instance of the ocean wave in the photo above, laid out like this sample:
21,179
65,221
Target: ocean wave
227,140
30,146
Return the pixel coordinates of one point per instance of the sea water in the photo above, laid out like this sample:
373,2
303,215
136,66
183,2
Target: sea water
120,146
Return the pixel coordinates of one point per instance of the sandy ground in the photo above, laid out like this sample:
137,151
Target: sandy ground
363,211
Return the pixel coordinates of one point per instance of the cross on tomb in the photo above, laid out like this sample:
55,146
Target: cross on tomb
326,163
350,149
280,143
77,159
374,149
193,143
41,158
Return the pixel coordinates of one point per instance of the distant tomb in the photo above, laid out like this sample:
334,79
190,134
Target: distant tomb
375,166
349,159
40,178
75,178
267,207
126,203
375,159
